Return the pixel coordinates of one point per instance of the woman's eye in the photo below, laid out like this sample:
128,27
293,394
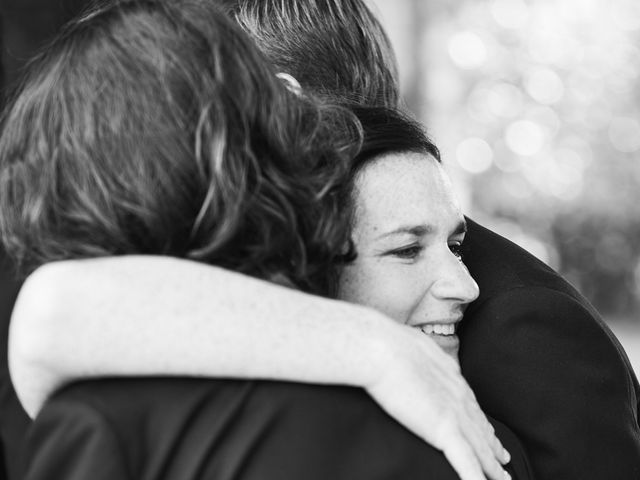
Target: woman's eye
410,252
456,249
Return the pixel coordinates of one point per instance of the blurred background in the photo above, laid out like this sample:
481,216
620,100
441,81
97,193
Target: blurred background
535,105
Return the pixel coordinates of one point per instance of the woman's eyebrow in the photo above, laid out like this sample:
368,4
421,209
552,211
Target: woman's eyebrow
422,230
416,230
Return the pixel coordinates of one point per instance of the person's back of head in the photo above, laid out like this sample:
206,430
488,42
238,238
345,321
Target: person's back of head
157,127
333,48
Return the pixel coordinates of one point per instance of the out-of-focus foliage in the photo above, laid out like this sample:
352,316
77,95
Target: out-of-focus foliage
536,107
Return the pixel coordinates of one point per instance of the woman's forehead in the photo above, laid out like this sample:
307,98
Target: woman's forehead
402,190
404,175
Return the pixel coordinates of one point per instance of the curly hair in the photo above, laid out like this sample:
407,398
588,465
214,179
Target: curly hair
334,48
157,127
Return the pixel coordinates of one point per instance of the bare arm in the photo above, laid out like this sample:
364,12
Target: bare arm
159,315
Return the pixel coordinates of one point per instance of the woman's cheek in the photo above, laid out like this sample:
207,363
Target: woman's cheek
386,288
398,295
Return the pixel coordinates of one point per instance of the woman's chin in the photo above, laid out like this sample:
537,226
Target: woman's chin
449,343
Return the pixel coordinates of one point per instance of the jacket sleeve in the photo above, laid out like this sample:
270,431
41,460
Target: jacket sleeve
191,429
71,440
540,362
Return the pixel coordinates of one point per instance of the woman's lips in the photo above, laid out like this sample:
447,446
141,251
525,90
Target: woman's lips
444,334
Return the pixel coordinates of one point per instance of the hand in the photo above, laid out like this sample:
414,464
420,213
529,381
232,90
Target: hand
422,388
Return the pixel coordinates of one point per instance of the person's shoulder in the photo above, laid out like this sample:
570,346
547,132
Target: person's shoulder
538,360
544,321
534,350
175,424
73,439
530,311
538,313
498,265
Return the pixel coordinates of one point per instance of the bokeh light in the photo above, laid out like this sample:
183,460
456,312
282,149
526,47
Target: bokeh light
505,100
544,85
510,13
467,50
624,133
625,15
474,155
524,137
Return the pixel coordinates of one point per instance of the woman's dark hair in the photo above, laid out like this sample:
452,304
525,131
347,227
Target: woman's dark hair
156,127
386,131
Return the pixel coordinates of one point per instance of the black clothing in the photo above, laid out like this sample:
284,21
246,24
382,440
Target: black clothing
541,360
13,419
187,429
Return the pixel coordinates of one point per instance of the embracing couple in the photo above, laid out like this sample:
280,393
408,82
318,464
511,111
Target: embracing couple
264,213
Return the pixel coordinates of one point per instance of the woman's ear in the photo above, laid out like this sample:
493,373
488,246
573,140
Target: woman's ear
291,83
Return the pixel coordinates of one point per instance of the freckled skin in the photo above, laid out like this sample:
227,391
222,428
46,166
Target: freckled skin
406,232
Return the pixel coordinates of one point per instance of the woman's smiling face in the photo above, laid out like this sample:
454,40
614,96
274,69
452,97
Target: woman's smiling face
407,232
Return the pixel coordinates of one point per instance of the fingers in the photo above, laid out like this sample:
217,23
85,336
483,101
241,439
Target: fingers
470,456
462,457
471,430
482,443
426,392
487,432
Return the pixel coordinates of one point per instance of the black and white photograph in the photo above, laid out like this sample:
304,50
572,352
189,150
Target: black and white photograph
319,239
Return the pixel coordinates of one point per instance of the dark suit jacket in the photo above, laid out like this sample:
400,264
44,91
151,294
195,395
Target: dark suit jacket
13,419
541,360
187,429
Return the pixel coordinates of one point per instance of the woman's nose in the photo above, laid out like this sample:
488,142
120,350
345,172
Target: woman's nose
455,282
